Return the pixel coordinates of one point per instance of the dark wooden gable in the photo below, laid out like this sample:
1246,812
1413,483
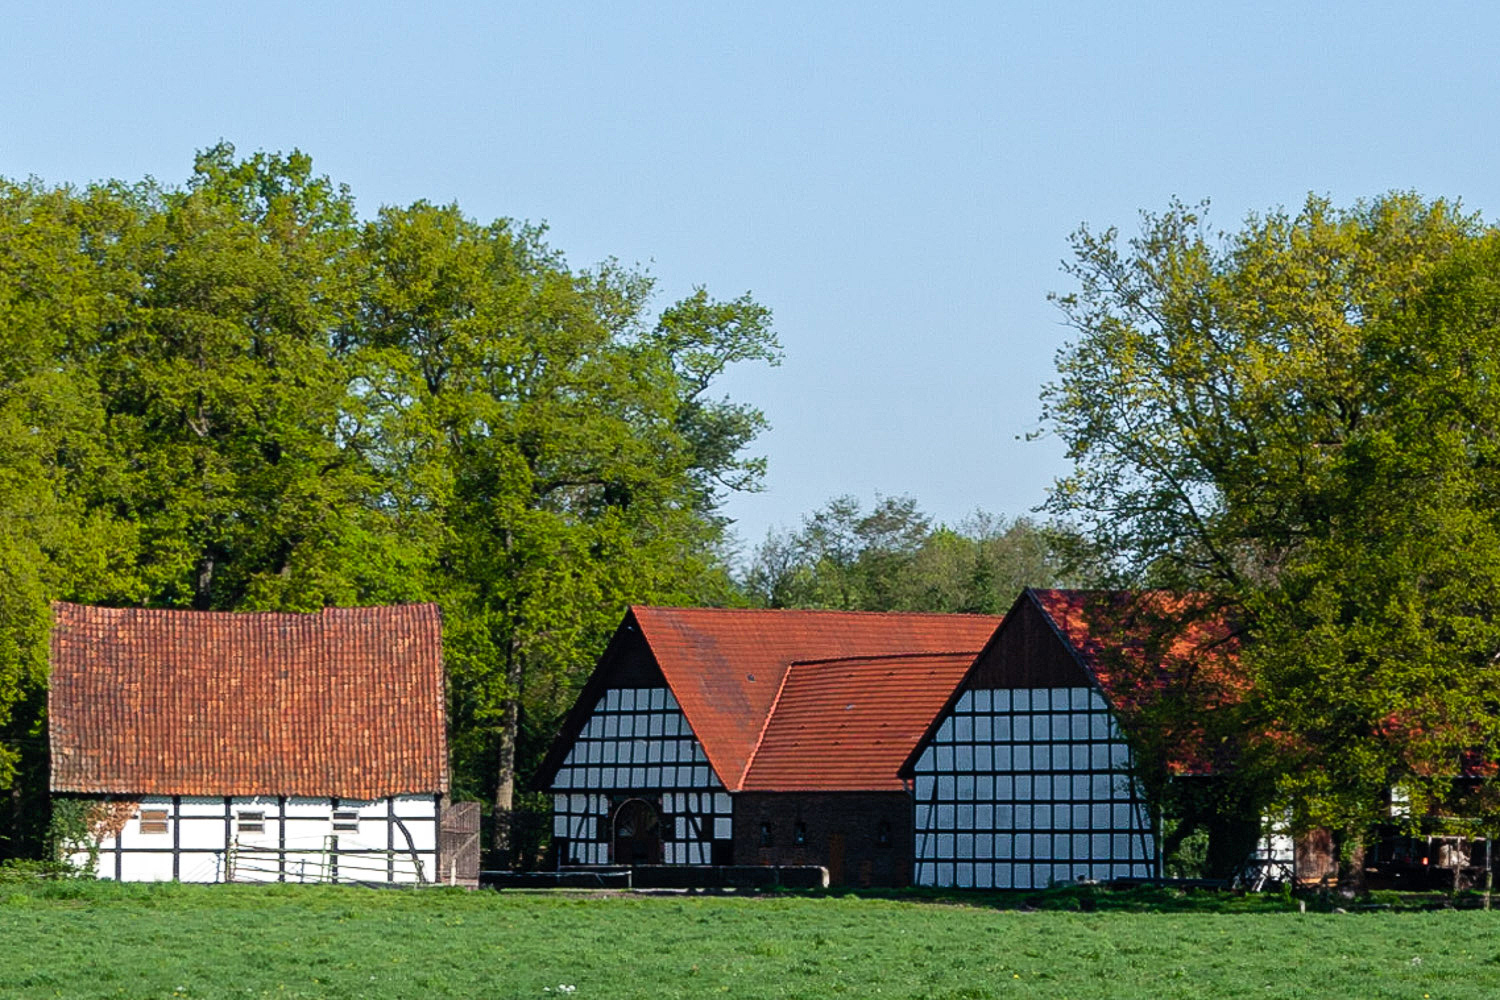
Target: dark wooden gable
1027,651
628,662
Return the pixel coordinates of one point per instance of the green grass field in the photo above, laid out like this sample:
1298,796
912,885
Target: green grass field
78,940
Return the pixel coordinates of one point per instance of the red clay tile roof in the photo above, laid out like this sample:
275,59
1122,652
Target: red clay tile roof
726,666
347,702
848,724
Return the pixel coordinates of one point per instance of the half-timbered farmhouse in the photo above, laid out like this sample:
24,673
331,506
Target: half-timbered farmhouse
942,750
1025,776
715,736
213,746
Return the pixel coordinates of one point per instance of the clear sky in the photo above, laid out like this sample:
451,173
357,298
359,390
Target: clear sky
897,182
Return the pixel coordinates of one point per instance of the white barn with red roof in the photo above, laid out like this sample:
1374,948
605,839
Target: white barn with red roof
958,751
209,746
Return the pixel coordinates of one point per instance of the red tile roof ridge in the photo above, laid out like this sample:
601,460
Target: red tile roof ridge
727,665
110,610
812,611
771,716
878,733
881,657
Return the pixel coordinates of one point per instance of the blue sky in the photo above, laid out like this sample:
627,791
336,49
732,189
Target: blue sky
896,182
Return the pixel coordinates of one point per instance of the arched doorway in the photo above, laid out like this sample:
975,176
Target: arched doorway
637,839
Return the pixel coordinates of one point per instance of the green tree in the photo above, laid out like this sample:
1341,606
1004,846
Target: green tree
981,564
561,445
893,558
173,411
1382,633
237,395
842,558
28,509
224,400
1298,418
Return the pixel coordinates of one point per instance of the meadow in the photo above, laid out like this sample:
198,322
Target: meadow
84,941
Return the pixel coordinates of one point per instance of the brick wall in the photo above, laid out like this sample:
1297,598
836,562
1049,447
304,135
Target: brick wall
842,831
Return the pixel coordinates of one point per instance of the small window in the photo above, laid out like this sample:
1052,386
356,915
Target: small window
766,837
883,834
799,833
153,821
251,821
346,819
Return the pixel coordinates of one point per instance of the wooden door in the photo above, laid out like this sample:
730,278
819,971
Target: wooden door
637,838
836,859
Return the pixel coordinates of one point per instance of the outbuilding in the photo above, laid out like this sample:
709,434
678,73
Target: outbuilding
209,746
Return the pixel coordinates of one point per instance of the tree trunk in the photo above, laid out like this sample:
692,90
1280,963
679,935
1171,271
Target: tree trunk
1489,870
505,783
1352,863
203,586
505,760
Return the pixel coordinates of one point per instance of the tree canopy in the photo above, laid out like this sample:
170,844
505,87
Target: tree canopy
236,394
894,558
1301,418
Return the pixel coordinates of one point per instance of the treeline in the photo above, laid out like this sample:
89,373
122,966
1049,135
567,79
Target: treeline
893,557
236,394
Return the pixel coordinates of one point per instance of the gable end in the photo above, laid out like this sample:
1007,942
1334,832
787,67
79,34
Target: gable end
1025,651
1028,651
628,662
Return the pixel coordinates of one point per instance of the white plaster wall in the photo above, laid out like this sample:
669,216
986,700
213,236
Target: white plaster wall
199,828
141,867
200,866
415,806
202,833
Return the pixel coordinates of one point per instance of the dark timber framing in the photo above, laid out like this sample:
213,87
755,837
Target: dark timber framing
1020,788
130,842
637,745
1024,778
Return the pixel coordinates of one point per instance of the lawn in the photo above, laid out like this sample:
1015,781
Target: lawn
96,941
